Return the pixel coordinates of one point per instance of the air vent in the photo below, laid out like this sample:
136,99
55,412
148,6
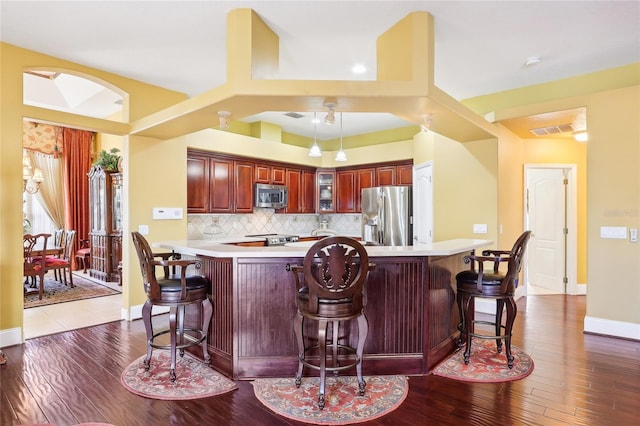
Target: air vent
552,130
294,115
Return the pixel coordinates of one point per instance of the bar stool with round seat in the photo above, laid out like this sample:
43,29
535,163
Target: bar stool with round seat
491,284
331,289
175,292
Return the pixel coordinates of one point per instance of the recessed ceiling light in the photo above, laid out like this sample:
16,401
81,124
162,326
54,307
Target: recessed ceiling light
358,69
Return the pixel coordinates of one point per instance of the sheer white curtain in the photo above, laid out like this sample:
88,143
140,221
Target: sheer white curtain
50,197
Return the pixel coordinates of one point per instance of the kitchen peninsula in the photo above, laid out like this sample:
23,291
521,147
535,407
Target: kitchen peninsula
410,305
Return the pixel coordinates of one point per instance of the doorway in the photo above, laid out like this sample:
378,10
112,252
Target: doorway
550,198
423,204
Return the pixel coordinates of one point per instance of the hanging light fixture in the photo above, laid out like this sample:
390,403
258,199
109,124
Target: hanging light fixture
341,156
315,149
31,178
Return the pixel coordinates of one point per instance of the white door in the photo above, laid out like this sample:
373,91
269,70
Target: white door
546,212
422,204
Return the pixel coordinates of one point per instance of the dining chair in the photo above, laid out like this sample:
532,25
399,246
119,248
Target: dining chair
62,263
34,266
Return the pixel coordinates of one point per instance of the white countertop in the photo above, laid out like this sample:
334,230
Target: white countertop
223,248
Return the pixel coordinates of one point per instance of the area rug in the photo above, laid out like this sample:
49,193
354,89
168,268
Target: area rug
486,364
343,403
194,379
56,292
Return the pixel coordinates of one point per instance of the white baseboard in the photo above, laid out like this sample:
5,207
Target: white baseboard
135,312
613,328
577,290
11,337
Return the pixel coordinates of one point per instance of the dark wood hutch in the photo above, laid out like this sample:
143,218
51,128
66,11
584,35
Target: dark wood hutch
105,205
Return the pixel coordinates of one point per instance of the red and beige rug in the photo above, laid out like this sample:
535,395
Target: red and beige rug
343,404
486,364
194,379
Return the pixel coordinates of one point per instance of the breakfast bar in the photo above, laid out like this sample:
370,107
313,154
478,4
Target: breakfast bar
410,305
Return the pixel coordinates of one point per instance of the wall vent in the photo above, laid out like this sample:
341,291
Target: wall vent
552,130
294,115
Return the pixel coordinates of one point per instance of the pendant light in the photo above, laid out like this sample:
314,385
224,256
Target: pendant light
341,156
315,149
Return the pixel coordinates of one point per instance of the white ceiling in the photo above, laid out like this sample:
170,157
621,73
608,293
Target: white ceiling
480,46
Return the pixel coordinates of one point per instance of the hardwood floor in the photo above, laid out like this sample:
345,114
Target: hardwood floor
578,379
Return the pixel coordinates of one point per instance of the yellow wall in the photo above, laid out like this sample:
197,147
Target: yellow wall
612,183
613,199
465,188
144,98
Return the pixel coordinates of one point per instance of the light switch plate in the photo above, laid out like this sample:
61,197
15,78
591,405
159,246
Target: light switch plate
633,235
614,232
143,229
479,228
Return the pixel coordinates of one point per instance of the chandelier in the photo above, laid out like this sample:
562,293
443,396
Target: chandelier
31,178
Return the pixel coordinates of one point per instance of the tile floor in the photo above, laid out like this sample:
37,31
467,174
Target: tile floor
50,319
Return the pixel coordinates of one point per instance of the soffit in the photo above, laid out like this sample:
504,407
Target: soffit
409,99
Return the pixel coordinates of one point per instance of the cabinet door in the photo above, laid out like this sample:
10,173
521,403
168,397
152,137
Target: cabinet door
325,191
221,181
345,191
197,184
385,175
262,173
293,179
365,178
243,186
308,192
278,176
404,174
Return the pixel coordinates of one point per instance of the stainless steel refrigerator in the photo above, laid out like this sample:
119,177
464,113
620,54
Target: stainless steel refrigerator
387,215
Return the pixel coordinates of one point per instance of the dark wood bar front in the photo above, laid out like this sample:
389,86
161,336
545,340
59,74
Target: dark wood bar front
410,307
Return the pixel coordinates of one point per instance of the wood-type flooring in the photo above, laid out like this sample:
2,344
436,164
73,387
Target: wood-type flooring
578,379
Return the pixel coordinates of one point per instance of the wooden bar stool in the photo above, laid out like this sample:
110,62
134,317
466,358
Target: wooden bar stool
331,289
490,284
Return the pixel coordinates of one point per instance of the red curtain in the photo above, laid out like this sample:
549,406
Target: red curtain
76,163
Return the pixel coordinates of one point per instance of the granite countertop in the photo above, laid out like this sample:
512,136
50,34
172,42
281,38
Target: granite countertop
224,248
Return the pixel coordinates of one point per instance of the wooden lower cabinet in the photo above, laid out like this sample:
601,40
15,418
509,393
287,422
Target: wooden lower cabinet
411,311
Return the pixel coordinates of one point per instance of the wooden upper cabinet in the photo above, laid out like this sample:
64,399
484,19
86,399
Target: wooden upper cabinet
345,191
243,186
308,191
197,184
404,174
365,178
294,182
385,175
271,174
221,185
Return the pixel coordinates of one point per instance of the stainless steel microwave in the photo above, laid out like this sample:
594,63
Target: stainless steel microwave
271,196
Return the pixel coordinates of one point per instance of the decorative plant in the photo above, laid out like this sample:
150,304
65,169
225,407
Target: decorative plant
109,160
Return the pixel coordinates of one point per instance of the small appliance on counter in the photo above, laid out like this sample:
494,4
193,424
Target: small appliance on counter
387,216
276,239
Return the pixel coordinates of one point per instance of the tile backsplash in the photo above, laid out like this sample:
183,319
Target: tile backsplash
266,221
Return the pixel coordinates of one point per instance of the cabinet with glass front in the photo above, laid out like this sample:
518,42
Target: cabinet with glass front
326,195
105,207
